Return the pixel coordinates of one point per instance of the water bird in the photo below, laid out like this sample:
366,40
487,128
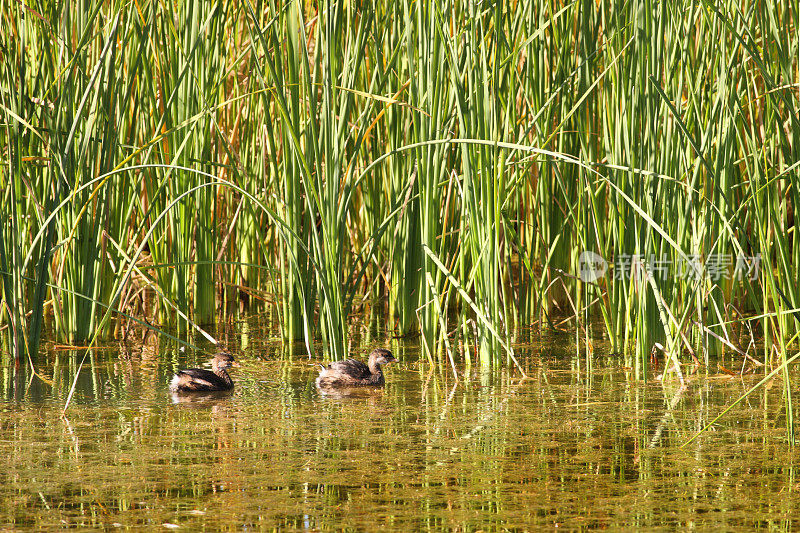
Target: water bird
201,380
353,373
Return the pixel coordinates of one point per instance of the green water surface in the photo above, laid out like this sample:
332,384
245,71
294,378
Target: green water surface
570,447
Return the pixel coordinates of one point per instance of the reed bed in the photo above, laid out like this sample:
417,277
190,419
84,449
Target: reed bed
440,165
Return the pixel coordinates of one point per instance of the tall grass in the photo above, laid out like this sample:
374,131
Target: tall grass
410,158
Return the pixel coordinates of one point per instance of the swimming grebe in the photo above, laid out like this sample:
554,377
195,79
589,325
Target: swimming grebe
352,373
200,380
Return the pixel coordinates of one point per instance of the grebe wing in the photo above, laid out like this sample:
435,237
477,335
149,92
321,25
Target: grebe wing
196,379
351,367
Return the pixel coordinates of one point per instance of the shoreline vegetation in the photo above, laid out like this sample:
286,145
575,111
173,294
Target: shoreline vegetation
446,165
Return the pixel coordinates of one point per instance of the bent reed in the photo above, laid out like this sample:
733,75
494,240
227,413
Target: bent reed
425,161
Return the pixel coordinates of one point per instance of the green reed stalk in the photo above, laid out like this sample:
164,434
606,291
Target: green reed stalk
335,143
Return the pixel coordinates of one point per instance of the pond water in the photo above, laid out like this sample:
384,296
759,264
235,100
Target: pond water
571,447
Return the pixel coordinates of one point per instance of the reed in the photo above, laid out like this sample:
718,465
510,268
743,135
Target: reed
313,161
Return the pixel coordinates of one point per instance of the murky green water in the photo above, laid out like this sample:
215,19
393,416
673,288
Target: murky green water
569,448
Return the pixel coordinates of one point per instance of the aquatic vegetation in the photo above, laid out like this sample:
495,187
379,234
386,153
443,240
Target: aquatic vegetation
446,164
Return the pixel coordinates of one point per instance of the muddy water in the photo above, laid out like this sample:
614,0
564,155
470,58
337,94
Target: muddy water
570,447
